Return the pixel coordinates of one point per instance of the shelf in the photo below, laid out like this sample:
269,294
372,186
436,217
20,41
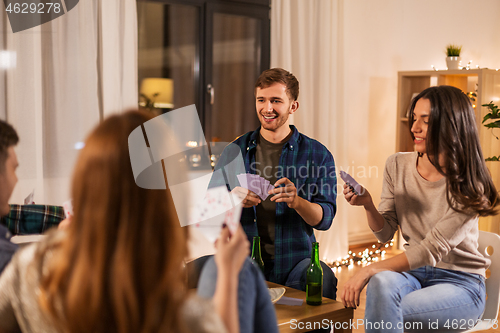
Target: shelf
410,83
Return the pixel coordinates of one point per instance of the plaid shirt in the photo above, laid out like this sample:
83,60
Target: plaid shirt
32,219
310,166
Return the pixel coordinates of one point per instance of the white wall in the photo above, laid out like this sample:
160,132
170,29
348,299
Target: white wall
378,39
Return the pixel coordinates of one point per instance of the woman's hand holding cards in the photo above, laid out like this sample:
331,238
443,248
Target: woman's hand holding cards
354,193
364,199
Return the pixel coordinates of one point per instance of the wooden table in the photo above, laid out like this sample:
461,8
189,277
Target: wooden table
301,318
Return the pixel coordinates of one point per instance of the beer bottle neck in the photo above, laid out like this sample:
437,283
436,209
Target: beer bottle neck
315,253
256,247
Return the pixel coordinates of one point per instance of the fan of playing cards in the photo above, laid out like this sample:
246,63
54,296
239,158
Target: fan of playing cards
347,178
256,184
218,206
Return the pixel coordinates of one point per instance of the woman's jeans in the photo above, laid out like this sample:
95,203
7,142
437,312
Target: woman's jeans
427,299
256,312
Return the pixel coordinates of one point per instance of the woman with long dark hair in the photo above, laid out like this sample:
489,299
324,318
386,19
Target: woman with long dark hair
118,265
435,196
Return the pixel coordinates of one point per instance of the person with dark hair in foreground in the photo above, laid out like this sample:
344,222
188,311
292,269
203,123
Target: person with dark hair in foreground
435,196
8,180
117,267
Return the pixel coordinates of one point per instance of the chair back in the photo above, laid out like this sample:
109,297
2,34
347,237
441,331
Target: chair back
489,246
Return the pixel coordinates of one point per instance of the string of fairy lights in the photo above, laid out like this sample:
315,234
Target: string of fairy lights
372,254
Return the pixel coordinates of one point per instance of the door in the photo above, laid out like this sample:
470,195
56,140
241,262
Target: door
211,52
237,51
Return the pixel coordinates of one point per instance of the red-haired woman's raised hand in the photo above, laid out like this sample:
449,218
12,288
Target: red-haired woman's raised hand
232,250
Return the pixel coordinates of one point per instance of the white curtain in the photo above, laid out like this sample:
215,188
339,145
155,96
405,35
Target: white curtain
306,39
61,79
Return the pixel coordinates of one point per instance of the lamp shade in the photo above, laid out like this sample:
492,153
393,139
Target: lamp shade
161,86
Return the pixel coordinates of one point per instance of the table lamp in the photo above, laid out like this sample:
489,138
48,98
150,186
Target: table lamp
158,92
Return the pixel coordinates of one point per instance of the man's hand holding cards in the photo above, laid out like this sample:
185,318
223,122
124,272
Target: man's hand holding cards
253,189
248,198
30,199
68,212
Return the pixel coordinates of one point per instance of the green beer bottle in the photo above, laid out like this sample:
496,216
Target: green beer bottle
257,258
314,287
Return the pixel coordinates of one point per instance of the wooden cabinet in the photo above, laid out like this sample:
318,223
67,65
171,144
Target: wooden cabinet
486,84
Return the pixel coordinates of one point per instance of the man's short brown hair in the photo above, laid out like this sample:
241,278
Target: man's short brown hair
8,138
279,75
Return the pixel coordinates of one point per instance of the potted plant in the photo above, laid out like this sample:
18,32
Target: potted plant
453,56
494,116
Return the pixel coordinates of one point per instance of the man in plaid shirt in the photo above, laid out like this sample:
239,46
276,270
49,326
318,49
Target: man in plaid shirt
303,173
8,180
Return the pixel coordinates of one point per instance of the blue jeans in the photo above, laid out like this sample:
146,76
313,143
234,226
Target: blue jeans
427,299
256,312
297,278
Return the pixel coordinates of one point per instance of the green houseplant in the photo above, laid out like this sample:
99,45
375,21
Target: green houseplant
493,118
453,50
453,56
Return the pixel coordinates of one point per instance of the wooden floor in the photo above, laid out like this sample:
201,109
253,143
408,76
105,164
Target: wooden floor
345,273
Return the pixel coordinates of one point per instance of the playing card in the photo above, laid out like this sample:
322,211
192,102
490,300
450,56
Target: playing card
30,198
243,179
219,206
264,185
232,218
249,182
68,208
347,178
270,187
256,184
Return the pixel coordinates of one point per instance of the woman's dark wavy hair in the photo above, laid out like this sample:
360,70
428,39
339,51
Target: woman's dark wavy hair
453,134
